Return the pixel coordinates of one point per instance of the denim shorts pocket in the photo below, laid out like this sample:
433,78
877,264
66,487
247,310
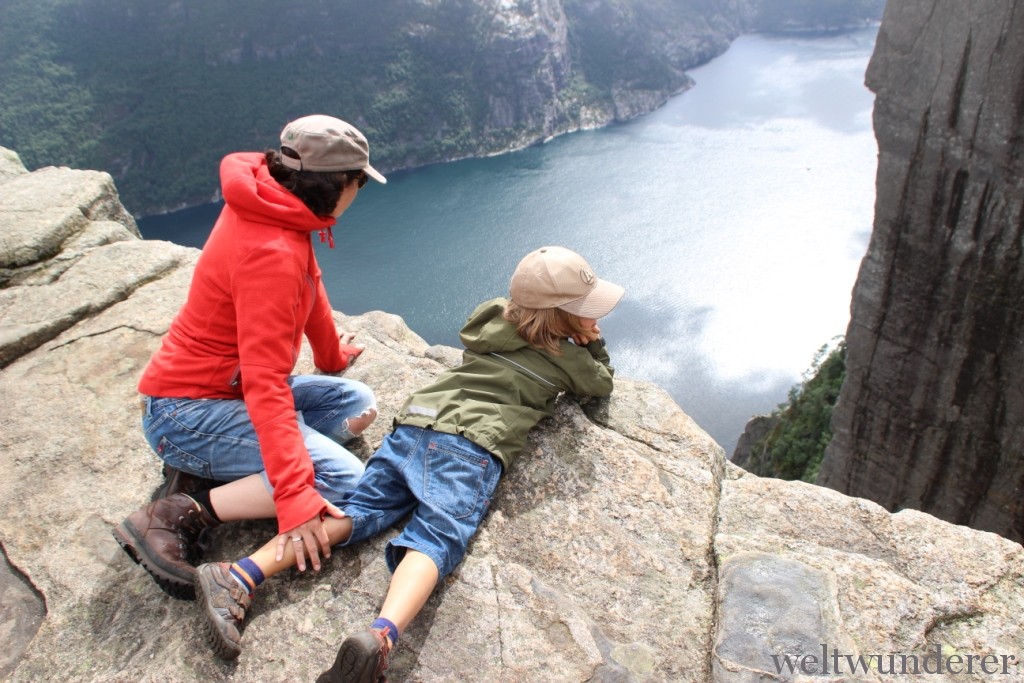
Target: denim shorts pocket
188,412
182,460
454,479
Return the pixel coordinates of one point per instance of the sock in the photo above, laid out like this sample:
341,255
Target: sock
203,498
248,574
390,630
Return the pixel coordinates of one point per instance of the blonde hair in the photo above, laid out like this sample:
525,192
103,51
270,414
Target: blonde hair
543,328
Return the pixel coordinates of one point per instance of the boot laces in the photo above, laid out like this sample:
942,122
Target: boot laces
193,540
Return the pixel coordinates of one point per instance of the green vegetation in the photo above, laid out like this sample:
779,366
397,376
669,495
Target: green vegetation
795,446
781,15
626,43
155,93
44,107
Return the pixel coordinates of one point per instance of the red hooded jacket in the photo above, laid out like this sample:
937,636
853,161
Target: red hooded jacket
256,289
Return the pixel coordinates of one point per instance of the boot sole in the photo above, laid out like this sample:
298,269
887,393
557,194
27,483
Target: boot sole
169,583
355,662
222,647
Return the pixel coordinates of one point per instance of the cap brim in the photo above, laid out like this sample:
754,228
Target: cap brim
375,174
598,303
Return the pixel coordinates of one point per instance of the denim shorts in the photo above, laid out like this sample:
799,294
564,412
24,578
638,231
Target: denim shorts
215,439
446,481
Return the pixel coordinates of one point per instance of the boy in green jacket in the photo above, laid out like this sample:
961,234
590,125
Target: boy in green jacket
451,443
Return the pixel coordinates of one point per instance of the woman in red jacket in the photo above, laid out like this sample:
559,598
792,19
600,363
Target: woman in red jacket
219,401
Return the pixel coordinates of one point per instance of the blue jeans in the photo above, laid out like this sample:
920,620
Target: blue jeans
445,480
215,439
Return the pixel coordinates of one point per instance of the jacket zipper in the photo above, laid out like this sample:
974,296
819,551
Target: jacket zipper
525,370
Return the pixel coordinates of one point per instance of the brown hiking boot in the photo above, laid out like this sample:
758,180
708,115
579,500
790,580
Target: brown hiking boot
362,658
224,602
178,481
162,538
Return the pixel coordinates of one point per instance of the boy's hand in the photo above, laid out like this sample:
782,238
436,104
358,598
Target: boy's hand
584,338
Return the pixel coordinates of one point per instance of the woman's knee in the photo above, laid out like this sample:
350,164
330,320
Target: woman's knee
360,423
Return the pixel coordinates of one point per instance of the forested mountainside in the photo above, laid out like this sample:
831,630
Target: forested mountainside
156,92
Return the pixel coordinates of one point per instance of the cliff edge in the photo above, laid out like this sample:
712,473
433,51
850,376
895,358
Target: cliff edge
931,413
621,547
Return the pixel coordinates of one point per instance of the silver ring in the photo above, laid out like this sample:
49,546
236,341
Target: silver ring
297,539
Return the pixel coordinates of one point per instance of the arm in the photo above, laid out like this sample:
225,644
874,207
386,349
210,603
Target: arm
329,354
593,377
267,328
599,352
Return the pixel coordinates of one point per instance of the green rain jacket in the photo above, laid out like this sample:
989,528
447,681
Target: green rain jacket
504,386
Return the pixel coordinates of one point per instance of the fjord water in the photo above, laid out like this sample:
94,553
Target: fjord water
735,217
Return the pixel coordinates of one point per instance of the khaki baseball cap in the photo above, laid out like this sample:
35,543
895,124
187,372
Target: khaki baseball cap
324,143
556,277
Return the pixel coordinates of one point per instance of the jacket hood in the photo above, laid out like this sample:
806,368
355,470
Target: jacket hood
250,191
488,332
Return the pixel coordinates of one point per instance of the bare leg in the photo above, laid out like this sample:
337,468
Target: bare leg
413,582
364,655
225,591
249,498
245,498
338,531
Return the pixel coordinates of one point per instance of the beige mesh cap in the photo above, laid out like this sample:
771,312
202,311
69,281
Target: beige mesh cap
324,143
556,277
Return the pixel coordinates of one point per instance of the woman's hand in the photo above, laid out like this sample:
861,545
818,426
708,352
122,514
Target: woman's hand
309,538
349,350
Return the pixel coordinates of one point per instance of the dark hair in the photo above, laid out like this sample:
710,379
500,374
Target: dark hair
318,190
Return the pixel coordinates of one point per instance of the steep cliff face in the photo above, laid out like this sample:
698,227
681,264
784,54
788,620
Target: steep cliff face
931,415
